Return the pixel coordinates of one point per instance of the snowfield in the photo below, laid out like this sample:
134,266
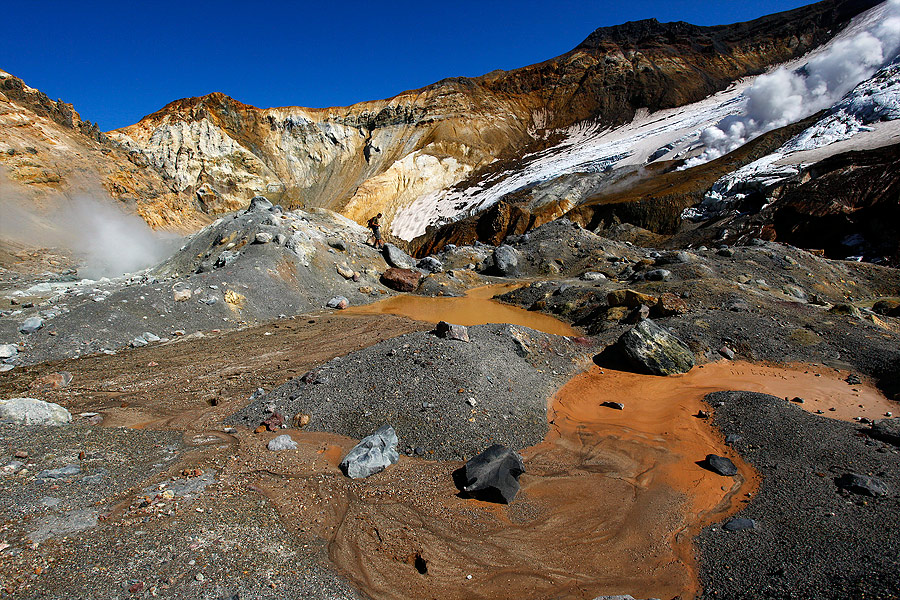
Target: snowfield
702,131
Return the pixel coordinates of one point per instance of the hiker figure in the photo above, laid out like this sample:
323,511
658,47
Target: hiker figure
375,226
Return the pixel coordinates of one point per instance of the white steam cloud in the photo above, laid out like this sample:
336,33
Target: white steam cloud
96,229
782,97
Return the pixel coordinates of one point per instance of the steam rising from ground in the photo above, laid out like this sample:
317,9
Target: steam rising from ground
95,228
782,97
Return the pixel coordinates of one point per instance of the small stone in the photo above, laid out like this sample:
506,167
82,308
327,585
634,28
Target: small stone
264,237
200,577
471,402
338,302
615,405
31,324
282,442
452,332
8,351
797,399
658,275
732,438
593,276
727,352
372,454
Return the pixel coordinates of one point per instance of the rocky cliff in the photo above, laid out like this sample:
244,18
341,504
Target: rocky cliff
384,155
48,152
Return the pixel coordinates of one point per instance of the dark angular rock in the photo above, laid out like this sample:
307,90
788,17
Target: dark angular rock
373,454
862,484
402,280
492,476
720,464
649,348
887,430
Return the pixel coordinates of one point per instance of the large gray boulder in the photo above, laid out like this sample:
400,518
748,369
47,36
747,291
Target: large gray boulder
397,257
505,261
493,475
30,411
373,454
649,348
259,203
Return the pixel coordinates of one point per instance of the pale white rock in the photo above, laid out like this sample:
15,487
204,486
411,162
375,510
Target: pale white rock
30,411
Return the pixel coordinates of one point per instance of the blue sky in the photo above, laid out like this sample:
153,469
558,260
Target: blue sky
118,61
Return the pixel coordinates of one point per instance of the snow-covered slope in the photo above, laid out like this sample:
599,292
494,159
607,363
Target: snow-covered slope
707,129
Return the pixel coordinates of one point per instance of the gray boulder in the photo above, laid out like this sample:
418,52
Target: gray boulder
493,475
658,275
264,237
259,203
31,324
226,258
452,332
720,464
282,442
862,484
29,411
505,261
8,350
431,264
397,257
649,348
373,454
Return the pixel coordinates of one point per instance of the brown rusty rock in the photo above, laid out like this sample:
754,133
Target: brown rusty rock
402,280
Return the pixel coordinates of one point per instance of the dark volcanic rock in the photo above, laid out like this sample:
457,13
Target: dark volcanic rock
493,475
887,430
739,524
720,464
259,203
650,348
862,484
402,280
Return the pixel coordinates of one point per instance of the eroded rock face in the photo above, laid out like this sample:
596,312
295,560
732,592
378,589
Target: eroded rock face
649,348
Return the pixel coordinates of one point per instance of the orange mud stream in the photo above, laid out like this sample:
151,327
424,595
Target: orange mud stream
610,504
475,308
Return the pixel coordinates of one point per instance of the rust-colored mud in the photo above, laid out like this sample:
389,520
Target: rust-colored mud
610,504
475,308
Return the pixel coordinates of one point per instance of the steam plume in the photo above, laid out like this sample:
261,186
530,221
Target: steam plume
782,97
91,225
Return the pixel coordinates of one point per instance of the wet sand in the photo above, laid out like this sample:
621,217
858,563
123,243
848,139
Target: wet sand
475,308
